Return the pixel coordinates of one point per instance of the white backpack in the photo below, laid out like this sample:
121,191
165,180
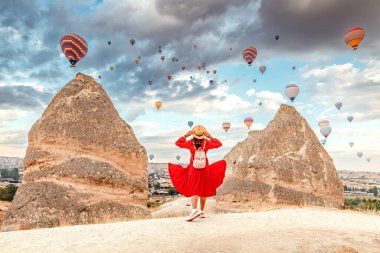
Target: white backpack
199,161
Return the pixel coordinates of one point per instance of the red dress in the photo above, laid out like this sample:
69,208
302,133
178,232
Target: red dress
201,182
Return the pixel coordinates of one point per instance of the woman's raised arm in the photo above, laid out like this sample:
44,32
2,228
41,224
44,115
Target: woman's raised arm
213,143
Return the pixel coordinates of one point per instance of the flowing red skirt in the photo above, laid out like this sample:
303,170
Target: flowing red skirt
201,182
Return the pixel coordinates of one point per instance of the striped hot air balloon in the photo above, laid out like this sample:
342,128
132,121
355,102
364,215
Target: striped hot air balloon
249,55
354,36
248,121
338,105
73,47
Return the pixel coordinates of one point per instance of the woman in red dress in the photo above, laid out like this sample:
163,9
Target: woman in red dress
195,183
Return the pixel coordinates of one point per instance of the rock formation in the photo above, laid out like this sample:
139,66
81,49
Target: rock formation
283,164
83,164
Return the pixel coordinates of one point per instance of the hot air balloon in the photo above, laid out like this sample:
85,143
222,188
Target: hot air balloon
277,37
151,156
368,159
176,59
137,61
150,83
100,76
351,144
159,51
226,126
294,67
183,67
177,157
338,105
254,80
359,154
111,68
162,58
109,43
203,65
350,118
158,104
190,124
73,47
208,71
225,80
139,57
169,77
323,122
195,46
230,48
262,69
211,82
292,91
214,71
354,36
249,55
260,103
191,77
132,41
323,141
325,131
248,121
173,59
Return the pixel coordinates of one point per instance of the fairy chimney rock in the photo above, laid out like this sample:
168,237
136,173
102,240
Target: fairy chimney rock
83,164
283,164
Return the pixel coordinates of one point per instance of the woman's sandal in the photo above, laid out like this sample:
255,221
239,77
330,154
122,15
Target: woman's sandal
193,216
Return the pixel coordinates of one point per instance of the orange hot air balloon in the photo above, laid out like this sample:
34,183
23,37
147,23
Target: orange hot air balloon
248,122
169,77
158,104
354,36
226,126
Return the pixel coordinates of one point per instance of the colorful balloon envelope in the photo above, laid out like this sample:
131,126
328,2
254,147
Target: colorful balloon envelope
338,105
214,71
226,126
158,104
169,77
323,122
190,124
137,61
111,68
151,156
132,41
351,144
100,76
262,69
350,118
73,47
325,131
354,36
249,55
162,58
359,154
248,121
291,91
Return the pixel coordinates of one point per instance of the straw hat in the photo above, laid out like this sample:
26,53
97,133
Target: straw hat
199,132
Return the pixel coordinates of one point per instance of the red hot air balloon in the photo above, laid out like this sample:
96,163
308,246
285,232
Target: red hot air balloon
169,77
249,55
73,47
262,69
354,36
162,58
248,122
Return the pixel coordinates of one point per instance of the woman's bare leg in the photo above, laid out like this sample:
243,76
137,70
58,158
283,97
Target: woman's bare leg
203,202
194,201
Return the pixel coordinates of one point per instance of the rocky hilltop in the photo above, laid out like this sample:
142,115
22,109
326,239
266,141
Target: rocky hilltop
83,164
283,164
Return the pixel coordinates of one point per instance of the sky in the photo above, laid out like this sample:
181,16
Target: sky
33,68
